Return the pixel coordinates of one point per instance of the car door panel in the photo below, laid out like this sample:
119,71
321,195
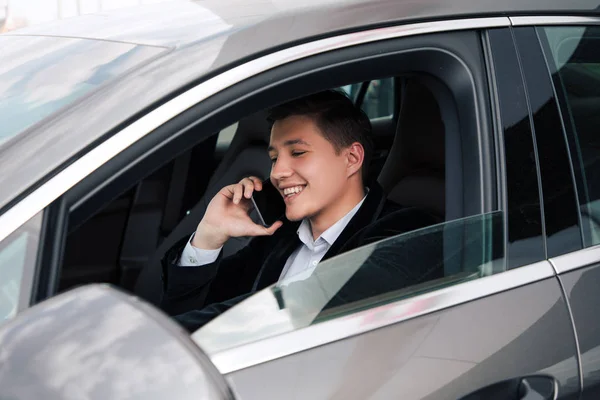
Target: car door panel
571,67
442,355
581,288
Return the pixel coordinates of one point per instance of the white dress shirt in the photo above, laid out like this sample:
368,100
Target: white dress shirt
299,265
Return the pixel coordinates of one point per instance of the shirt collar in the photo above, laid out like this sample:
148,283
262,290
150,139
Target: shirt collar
331,234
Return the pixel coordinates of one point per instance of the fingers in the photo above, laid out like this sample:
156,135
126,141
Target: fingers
245,188
257,182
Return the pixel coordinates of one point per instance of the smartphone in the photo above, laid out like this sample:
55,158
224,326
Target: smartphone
268,203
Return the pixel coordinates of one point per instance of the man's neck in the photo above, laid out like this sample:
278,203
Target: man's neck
324,220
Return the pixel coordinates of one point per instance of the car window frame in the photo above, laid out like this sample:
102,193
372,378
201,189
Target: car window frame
234,359
170,138
139,129
586,256
552,148
578,180
124,141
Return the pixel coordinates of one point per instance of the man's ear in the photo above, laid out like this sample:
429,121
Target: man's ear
355,156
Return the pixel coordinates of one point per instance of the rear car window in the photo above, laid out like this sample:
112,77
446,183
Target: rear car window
574,55
41,75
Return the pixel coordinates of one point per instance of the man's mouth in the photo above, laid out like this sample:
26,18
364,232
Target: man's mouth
291,192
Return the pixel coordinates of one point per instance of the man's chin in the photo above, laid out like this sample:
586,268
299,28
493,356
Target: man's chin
294,216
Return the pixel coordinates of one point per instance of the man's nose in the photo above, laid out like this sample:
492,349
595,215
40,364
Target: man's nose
280,169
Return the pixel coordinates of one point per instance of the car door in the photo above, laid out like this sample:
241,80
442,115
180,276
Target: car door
497,309
494,326
572,71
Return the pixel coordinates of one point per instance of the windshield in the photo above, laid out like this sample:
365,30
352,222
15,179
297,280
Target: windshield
336,287
41,75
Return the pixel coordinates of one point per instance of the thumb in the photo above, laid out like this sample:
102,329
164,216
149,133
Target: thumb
271,229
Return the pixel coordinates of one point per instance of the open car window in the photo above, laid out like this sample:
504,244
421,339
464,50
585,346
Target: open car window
387,271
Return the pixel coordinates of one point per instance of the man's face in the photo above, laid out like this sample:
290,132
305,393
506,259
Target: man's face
309,174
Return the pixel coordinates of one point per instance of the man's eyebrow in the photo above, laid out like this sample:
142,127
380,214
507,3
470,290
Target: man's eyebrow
290,142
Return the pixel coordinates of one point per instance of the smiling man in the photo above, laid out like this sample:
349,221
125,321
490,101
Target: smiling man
319,147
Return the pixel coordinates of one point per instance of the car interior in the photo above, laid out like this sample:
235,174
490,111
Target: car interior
410,162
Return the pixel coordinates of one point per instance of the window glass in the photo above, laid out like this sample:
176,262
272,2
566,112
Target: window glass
525,242
574,56
352,90
379,98
40,80
383,272
225,137
17,262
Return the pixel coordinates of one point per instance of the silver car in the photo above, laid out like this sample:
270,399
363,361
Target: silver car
116,128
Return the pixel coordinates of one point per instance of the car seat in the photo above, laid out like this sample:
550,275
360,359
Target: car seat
247,155
424,166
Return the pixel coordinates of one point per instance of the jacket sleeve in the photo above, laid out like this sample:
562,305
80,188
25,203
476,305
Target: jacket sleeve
191,288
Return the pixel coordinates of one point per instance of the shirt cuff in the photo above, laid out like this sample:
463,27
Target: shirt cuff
195,257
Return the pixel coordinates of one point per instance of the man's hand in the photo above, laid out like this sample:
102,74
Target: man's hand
227,216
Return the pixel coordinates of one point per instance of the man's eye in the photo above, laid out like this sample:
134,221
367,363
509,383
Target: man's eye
297,153
273,160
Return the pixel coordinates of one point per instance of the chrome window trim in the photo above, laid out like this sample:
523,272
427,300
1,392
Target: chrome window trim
554,20
77,171
577,259
276,347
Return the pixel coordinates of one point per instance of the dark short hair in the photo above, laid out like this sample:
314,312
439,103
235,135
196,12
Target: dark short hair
339,120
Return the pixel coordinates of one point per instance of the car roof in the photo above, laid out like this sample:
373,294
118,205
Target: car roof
199,38
181,22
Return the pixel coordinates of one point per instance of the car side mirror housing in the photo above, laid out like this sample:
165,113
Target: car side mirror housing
96,342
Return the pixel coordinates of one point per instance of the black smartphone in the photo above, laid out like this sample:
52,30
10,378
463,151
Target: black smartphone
268,203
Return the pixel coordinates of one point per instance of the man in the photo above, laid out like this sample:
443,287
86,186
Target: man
320,148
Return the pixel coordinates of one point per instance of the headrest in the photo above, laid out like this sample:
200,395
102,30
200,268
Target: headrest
254,127
422,130
419,144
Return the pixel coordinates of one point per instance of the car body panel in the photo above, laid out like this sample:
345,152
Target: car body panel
579,273
581,287
97,343
442,355
183,22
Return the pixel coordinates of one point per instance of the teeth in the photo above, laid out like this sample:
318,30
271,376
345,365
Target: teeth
292,190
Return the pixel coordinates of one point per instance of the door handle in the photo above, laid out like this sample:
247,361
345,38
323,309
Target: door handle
534,387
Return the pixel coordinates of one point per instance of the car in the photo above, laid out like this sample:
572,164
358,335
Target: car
118,127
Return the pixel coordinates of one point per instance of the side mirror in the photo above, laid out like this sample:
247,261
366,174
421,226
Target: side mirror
95,342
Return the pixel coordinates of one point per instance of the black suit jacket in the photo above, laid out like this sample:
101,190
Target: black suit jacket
226,282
